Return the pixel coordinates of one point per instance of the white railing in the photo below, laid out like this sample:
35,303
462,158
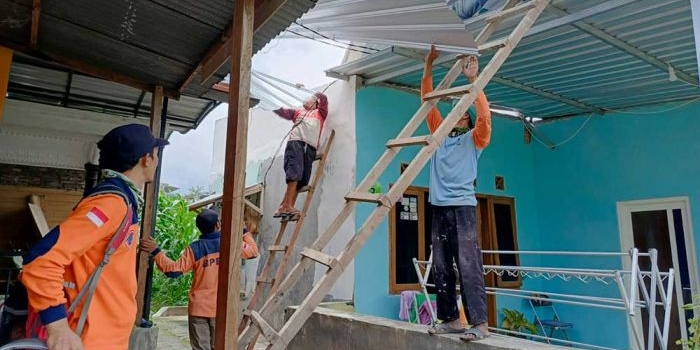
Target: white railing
629,282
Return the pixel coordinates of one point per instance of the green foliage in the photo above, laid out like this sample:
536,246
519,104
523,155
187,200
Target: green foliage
514,320
693,341
175,230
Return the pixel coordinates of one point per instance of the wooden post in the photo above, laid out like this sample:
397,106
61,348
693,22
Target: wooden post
228,295
5,63
150,194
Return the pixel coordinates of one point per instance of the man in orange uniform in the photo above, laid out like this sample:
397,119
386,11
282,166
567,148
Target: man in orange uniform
201,256
58,266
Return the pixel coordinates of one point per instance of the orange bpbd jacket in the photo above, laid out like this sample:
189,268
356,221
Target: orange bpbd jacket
57,267
202,256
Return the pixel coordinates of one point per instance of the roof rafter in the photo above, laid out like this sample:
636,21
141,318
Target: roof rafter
36,14
218,53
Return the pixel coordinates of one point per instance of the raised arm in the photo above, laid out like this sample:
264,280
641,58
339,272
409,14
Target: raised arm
482,130
285,113
322,105
426,86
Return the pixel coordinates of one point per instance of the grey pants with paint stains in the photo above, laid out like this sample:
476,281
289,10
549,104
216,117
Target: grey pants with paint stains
454,240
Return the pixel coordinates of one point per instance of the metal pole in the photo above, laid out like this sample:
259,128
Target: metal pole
547,252
633,283
423,281
146,315
653,323
669,304
631,318
488,291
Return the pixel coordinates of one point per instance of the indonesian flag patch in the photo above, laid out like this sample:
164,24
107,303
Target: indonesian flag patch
97,217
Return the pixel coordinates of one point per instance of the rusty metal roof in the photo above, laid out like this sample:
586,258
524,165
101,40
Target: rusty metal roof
154,42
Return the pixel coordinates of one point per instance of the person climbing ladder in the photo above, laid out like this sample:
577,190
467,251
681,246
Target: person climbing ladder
304,139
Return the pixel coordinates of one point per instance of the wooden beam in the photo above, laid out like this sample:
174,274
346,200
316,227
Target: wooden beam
227,303
218,53
5,63
150,201
36,13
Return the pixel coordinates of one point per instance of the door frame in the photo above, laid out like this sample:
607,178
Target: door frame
624,217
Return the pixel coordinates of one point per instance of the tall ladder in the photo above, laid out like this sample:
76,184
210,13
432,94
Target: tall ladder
264,280
279,339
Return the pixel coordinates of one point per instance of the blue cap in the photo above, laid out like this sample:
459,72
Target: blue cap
128,143
206,221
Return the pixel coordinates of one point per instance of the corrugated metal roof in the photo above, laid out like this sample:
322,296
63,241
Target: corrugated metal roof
56,86
157,42
605,61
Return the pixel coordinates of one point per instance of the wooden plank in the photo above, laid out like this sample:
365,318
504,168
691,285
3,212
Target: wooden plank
253,206
150,201
39,218
319,257
218,54
277,248
367,197
268,332
34,34
264,280
488,30
513,11
228,297
457,90
5,63
410,141
492,45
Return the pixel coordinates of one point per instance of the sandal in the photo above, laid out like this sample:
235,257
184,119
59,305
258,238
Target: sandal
443,328
473,334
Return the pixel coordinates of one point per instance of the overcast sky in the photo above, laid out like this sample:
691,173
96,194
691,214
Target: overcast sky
187,160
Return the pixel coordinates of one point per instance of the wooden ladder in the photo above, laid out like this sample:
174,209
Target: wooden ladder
279,339
264,280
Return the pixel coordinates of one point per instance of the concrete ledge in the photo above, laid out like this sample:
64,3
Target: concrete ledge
143,338
166,311
338,330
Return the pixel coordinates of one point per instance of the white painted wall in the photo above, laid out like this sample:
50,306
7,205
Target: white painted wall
266,141
337,181
35,134
265,133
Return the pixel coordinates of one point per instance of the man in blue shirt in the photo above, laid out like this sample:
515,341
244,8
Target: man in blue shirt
453,170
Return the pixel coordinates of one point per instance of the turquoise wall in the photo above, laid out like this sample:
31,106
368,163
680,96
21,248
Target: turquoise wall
643,154
565,198
381,114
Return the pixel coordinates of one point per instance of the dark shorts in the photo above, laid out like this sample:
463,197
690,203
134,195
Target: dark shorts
298,158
